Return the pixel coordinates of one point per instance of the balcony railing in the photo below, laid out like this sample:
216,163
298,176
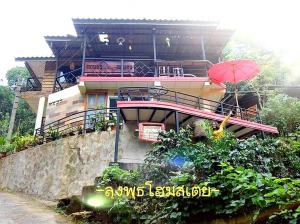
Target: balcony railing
165,95
32,84
83,121
145,67
116,67
65,80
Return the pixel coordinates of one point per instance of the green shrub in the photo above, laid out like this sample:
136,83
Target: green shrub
2,140
23,142
282,112
54,134
7,148
256,179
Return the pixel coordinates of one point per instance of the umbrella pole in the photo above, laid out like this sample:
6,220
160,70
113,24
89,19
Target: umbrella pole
236,98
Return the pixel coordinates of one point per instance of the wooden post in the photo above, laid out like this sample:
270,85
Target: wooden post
14,111
154,51
83,55
117,136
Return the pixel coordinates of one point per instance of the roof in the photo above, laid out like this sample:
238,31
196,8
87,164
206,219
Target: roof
143,22
37,58
185,39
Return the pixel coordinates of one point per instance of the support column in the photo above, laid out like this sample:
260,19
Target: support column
83,55
14,111
203,53
154,50
40,113
117,136
176,121
203,48
56,73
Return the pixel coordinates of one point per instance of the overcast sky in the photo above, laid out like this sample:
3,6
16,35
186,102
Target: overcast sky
273,23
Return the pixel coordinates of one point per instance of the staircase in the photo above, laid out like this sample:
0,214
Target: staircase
48,82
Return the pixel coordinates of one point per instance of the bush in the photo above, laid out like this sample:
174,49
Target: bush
54,134
254,176
2,140
282,112
23,142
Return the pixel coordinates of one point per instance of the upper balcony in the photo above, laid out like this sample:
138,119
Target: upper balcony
104,68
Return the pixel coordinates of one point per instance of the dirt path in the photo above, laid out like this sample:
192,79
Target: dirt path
19,209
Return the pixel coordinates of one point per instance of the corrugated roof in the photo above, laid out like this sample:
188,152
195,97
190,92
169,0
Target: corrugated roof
36,58
78,22
60,38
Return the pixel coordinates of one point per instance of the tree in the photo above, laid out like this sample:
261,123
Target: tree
13,74
282,112
6,99
272,69
25,118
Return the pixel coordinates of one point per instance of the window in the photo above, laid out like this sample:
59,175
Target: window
113,101
94,102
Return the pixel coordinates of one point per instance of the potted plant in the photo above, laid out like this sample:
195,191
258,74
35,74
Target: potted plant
112,122
53,134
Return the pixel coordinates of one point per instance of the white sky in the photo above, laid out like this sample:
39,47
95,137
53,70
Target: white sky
24,23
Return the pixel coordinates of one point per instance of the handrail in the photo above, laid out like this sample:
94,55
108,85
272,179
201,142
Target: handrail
32,84
69,79
83,120
165,95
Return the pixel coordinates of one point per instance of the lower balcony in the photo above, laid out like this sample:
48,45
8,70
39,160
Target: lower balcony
160,106
177,110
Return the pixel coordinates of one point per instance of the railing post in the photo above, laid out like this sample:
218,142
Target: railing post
117,136
84,122
199,103
57,129
83,55
222,108
154,51
122,67
177,121
241,112
176,99
258,118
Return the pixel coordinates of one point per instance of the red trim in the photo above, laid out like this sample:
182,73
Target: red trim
143,79
196,112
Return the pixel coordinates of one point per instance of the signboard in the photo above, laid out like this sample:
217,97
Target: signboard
108,67
149,131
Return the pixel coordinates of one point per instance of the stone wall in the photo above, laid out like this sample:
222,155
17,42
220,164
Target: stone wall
61,168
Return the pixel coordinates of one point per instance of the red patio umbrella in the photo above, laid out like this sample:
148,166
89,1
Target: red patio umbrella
233,71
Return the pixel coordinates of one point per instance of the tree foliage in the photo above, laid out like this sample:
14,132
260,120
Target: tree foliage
25,118
272,70
16,73
282,112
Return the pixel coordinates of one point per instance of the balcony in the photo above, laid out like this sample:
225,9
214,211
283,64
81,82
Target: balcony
155,94
176,109
134,68
145,68
32,84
